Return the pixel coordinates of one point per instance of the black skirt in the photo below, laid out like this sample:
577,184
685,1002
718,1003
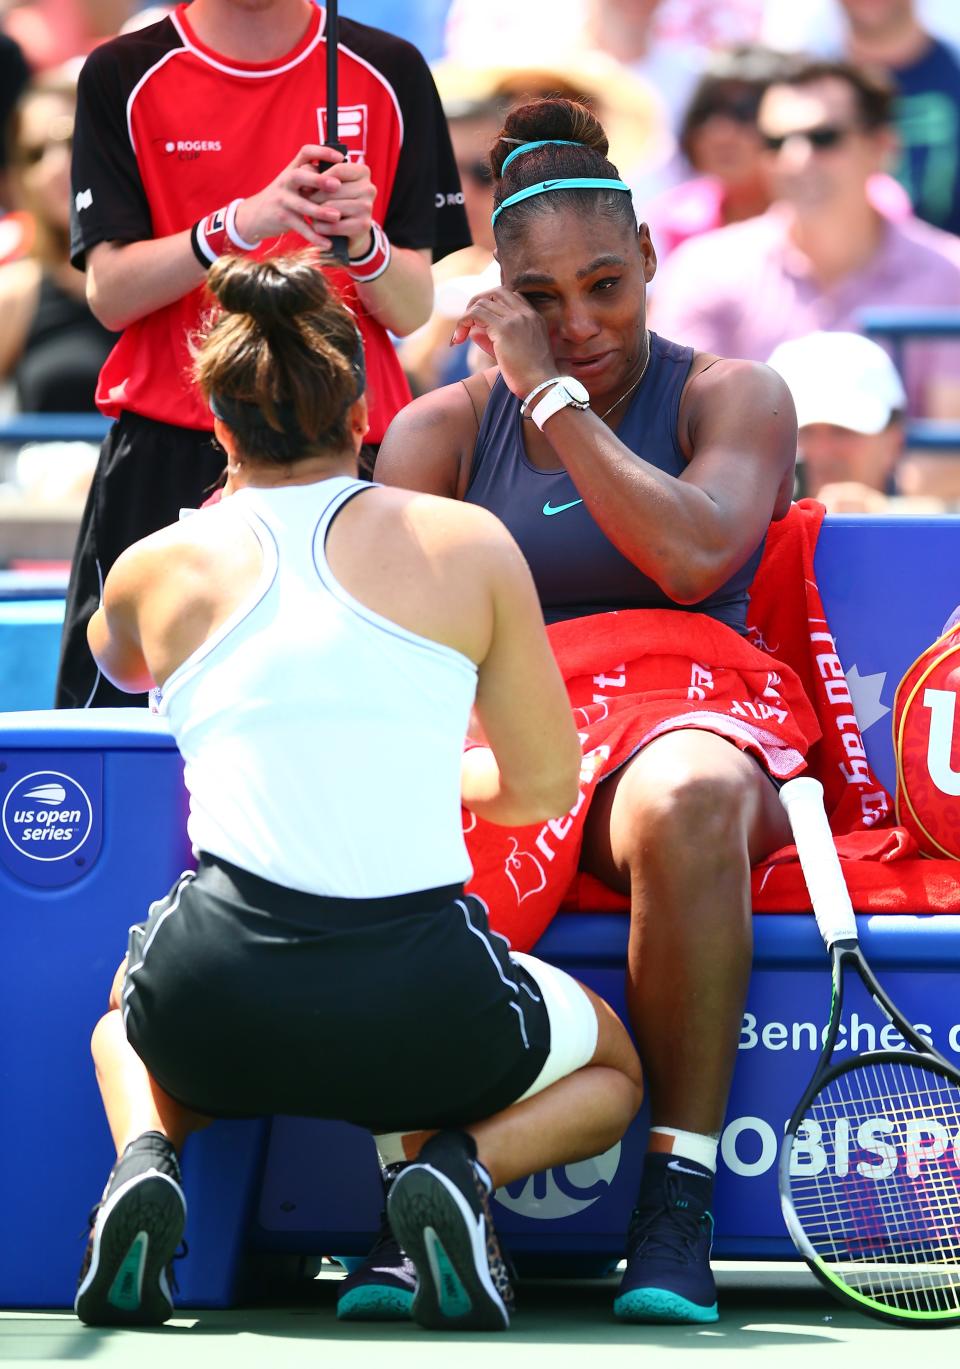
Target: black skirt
244,998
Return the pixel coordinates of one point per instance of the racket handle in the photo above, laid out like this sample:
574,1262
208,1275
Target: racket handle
803,800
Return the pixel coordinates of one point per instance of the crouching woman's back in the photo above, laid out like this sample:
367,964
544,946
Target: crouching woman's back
319,644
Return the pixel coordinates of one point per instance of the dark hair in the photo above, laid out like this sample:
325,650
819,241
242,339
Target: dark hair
279,359
734,76
873,89
575,123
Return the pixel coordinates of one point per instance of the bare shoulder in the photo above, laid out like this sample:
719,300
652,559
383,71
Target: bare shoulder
718,379
466,545
741,399
441,521
429,442
187,549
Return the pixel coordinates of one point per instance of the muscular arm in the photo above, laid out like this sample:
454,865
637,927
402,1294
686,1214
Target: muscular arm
531,769
429,445
737,430
691,533
113,632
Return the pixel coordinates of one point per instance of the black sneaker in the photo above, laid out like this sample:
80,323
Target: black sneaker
135,1231
439,1210
381,1287
668,1276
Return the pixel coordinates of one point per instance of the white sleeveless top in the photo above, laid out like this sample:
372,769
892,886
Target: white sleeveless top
321,741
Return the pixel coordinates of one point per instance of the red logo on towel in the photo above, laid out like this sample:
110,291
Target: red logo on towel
926,732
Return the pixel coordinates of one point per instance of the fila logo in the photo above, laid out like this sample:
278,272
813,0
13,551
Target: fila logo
84,199
351,129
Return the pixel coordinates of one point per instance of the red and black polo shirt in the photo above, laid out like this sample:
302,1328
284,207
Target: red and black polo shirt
168,130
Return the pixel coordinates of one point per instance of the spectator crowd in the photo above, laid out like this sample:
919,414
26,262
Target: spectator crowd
798,166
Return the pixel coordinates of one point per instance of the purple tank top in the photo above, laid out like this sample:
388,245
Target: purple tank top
576,568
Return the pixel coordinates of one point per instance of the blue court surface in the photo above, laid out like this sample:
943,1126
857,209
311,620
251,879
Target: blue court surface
766,1310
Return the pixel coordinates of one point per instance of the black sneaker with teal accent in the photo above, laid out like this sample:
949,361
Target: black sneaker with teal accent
439,1209
382,1285
668,1276
125,1279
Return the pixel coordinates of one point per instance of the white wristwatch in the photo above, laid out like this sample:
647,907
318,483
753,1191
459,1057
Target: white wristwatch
566,392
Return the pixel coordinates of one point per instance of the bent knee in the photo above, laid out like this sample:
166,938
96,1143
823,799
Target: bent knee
691,813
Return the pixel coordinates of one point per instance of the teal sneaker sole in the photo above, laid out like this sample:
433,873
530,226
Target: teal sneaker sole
446,1241
375,1303
660,1305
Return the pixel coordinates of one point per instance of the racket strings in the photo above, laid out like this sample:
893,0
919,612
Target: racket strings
875,1185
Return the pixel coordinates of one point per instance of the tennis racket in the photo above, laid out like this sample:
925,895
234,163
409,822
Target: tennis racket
338,245
870,1164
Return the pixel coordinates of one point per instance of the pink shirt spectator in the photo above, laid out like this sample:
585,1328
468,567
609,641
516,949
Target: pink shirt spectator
696,206
741,290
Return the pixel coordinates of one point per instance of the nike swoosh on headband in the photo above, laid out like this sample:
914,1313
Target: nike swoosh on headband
549,509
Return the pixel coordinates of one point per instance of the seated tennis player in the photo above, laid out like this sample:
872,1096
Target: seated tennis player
320,644
639,478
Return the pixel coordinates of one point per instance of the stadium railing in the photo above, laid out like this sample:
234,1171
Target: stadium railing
898,328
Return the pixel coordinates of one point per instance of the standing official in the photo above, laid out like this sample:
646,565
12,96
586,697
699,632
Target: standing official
200,135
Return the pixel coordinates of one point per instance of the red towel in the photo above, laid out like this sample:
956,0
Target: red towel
781,695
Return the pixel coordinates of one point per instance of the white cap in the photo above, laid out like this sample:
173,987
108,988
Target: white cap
840,378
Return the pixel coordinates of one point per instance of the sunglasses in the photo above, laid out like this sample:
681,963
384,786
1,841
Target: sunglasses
478,172
821,138
742,109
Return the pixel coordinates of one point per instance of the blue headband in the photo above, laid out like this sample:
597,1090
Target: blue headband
541,142
572,183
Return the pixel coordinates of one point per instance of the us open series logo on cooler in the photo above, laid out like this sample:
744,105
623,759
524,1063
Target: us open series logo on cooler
47,816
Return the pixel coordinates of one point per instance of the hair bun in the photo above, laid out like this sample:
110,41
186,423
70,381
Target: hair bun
552,117
271,297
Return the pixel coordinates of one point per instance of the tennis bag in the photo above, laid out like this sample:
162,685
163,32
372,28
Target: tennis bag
926,743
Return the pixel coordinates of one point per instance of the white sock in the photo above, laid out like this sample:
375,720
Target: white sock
692,1145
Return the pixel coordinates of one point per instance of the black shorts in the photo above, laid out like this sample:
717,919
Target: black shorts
244,999
147,473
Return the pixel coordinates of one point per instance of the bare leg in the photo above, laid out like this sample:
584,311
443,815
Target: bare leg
439,1209
137,1225
678,829
132,1101
578,1116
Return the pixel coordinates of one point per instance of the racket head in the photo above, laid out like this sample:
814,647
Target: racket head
870,1185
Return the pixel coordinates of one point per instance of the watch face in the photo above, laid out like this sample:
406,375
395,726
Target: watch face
576,389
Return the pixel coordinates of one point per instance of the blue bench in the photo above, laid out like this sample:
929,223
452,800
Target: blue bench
298,1187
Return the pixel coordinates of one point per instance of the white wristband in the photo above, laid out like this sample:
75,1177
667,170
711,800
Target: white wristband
233,233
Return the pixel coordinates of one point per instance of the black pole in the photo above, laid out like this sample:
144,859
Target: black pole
332,38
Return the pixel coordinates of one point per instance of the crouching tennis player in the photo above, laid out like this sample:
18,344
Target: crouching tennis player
320,643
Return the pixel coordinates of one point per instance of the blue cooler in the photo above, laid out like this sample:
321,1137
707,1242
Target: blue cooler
92,829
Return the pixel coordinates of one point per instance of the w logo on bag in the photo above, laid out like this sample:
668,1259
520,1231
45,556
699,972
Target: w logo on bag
926,742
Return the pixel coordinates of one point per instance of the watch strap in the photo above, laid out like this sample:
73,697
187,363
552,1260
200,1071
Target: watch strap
537,390
558,398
